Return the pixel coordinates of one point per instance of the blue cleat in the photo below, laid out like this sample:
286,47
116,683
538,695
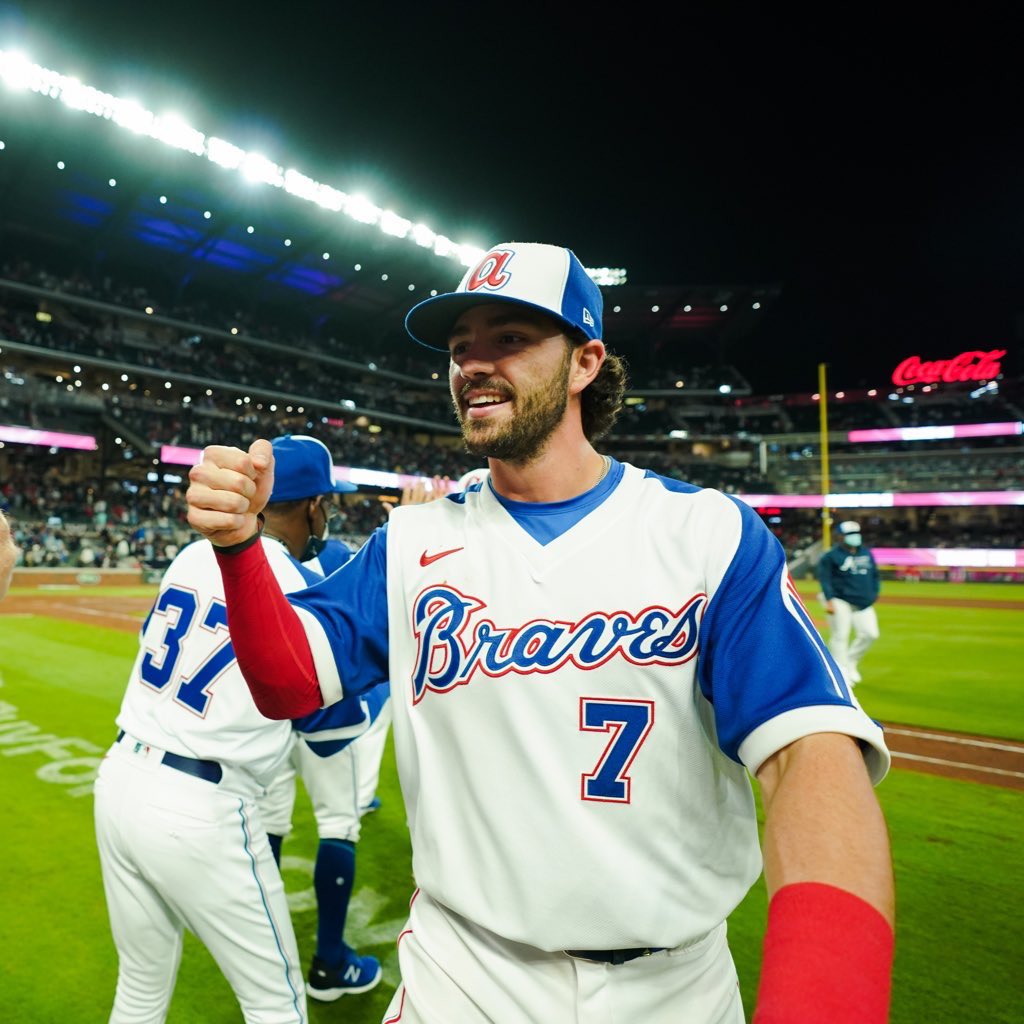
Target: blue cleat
353,975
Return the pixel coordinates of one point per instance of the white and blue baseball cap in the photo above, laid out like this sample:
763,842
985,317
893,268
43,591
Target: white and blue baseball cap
547,278
303,469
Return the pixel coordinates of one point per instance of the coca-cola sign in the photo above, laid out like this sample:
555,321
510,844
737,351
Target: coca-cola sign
971,365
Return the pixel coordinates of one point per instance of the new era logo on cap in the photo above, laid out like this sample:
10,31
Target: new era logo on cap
547,278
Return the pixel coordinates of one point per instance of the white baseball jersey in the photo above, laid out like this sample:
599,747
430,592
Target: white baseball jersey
186,693
574,720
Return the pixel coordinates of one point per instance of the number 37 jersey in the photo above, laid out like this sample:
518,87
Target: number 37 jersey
186,693
574,721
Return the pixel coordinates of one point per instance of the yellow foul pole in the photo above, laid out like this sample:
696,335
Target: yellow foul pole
826,514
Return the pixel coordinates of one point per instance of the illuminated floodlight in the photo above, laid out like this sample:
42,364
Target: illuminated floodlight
257,168
392,224
19,73
330,198
443,246
607,276
173,131
470,255
422,235
224,154
361,209
686,309
133,115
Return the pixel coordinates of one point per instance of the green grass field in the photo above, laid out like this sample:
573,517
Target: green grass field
958,846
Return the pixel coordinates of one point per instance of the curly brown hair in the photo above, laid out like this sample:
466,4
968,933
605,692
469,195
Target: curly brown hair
603,396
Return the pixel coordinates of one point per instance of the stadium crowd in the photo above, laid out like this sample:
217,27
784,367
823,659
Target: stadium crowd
160,371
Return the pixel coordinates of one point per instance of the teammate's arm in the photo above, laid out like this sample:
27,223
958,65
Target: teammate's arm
8,555
829,943
227,491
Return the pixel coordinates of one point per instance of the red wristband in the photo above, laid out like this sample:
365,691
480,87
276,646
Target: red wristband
269,641
827,957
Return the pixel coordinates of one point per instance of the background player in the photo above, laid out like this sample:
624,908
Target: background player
850,584
180,837
587,660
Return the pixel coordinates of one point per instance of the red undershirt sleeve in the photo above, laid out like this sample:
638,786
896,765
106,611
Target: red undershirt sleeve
827,957
267,635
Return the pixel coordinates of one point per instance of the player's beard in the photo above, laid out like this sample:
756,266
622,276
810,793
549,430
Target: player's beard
535,414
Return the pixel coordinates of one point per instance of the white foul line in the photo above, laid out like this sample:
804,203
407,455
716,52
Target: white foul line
959,764
939,737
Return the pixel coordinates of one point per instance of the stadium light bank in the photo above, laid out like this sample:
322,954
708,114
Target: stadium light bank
20,74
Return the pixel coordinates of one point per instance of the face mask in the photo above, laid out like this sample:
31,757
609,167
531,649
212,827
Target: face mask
316,544
852,540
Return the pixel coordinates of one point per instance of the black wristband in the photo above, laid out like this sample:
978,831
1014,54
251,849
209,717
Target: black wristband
237,549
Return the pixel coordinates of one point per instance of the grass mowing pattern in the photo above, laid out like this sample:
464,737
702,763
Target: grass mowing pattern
957,846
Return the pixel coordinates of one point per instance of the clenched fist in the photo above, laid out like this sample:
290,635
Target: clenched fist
227,489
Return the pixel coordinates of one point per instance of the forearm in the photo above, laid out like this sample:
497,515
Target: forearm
269,641
823,822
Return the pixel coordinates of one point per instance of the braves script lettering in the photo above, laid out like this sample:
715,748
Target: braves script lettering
450,649
975,365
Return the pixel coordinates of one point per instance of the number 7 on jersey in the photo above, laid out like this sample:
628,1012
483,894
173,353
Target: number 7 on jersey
629,722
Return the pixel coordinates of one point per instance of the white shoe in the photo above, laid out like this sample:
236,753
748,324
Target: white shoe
852,676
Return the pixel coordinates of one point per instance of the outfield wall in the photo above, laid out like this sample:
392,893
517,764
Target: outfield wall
42,579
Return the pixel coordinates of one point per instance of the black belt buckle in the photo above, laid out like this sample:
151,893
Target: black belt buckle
209,771
614,956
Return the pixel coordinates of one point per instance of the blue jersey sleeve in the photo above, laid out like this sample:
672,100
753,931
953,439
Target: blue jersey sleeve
761,654
334,555
351,607
333,728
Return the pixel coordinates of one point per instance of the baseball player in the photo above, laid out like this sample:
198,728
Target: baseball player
336,765
588,662
181,841
850,584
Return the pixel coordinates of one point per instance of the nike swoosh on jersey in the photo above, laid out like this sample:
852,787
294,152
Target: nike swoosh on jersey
426,559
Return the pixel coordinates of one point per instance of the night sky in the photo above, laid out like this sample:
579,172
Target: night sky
870,168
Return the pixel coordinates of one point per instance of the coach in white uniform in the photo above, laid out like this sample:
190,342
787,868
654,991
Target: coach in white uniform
586,660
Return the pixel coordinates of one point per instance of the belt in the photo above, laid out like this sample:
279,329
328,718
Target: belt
614,956
209,771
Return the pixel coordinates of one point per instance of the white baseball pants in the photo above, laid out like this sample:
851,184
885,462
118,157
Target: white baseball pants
453,970
179,852
864,624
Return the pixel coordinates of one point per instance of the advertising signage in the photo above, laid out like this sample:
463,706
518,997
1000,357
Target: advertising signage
970,365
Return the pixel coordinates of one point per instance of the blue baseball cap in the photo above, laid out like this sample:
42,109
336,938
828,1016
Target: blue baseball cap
303,469
547,278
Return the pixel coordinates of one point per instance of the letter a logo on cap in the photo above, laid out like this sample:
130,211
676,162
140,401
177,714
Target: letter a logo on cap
490,271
